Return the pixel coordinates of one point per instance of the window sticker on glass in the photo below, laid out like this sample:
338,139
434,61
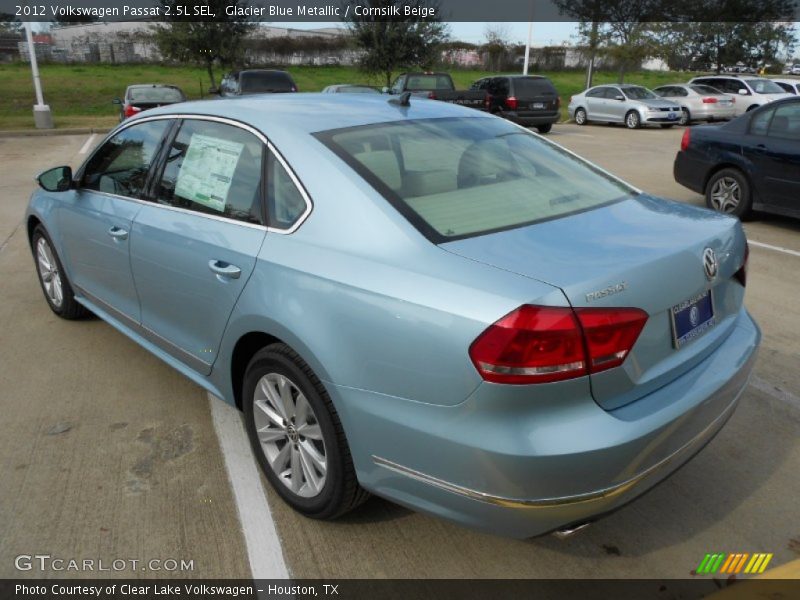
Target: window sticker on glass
207,171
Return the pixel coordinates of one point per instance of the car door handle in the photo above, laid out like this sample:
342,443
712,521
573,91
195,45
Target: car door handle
224,269
118,233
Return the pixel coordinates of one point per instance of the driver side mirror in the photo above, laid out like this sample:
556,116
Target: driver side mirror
743,92
620,97
56,180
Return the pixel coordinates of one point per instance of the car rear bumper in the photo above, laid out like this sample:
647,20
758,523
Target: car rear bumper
709,112
690,172
521,461
531,118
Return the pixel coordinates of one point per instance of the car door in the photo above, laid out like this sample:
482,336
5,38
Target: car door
596,104
777,156
96,224
616,108
194,245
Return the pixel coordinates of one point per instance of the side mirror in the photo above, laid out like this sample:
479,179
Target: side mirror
620,97
56,180
743,92
116,101
213,90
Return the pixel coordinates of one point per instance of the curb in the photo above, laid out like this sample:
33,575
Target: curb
8,133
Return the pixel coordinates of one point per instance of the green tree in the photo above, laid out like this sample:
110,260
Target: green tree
392,43
206,43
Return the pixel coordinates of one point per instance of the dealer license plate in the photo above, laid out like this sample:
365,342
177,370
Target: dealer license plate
692,318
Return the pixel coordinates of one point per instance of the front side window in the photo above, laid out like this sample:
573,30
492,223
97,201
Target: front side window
764,86
639,93
214,168
460,177
121,165
759,124
785,123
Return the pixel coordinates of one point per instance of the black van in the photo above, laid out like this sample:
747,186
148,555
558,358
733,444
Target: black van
530,100
255,81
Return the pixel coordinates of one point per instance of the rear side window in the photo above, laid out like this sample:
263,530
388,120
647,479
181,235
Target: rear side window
596,93
706,90
459,177
214,168
252,82
285,203
121,165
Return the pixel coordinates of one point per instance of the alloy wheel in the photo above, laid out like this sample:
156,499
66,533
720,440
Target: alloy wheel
580,117
49,273
726,194
290,435
684,117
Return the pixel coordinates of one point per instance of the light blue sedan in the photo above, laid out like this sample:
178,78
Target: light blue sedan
410,299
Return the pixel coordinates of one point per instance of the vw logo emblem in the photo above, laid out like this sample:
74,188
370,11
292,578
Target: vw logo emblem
694,316
710,263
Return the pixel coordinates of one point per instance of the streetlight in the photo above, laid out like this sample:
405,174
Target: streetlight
42,117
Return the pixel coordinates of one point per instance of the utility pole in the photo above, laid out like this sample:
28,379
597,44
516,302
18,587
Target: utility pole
592,52
528,48
42,117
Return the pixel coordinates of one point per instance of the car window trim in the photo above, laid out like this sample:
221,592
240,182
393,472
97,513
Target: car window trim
225,120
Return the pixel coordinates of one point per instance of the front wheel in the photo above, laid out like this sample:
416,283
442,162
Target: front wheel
296,435
685,117
728,191
55,285
544,128
633,120
580,117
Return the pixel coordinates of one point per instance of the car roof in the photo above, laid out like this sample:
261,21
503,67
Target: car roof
151,85
290,114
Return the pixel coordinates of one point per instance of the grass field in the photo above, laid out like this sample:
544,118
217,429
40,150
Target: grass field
80,95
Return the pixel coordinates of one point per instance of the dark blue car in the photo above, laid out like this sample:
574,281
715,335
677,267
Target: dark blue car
750,163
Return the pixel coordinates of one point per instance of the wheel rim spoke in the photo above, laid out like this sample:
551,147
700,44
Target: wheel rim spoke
308,450
285,391
48,272
273,398
278,463
270,413
270,435
312,432
301,412
295,474
309,474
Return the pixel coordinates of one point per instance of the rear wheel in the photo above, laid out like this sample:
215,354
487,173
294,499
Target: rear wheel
633,120
728,191
544,128
686,117
296,435
580,117
55,285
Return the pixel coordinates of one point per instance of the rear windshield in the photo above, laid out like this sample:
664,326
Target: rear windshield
429,82
638,93
460,177
357,89
155,94
707,90
765,86
254,82
532,86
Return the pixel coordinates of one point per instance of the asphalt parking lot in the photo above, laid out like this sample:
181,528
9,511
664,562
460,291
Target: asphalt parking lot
108,454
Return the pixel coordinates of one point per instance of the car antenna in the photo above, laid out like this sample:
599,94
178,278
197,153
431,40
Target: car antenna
403,99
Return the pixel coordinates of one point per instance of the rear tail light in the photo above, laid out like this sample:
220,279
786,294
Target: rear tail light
131,110
710,100
541,344
431,95
741,274
733,100
511,103
294,88
487,101
571,98
686,139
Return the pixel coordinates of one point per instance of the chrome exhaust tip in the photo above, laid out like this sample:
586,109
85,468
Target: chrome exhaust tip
563,534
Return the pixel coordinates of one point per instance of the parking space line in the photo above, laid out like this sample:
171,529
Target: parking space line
260,536
779,394
87,145
775,248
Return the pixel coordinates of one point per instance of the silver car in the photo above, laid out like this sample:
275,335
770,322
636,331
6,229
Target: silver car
699,102
750,91
633,105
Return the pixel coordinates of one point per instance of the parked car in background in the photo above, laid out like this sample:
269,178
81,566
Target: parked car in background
753,162
530,100
699,102
750,92
633,105
350,88
141,97
437,86
427,303
255,81
789,85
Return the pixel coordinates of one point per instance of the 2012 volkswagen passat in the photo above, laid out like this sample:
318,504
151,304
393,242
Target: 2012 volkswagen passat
410,299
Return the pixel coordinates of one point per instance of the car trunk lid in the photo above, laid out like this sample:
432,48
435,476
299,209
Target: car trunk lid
641,253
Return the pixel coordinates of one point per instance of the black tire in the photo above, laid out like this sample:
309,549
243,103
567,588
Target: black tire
544,128
340,492
633,120
715,193
686,117
581,118
749,108
68,307
666,126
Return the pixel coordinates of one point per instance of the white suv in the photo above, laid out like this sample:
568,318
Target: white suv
750,91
